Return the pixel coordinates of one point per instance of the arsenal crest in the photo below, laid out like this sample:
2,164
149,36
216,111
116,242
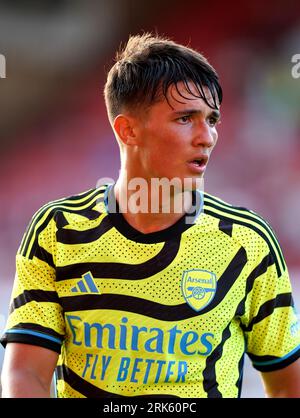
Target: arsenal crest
198,287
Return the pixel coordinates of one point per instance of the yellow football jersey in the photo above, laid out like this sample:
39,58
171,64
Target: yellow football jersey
167,313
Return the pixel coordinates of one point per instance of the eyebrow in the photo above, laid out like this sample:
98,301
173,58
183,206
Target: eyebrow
214,113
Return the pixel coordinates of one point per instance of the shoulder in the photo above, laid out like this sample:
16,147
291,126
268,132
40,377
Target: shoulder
79,204
245,225
59,213
238,215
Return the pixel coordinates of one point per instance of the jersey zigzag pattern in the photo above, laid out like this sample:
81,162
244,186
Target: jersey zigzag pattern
171,313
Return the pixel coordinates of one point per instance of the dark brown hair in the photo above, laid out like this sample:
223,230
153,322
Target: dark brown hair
148,65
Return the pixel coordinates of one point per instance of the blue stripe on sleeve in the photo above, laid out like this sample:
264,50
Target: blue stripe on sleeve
35,333
277,360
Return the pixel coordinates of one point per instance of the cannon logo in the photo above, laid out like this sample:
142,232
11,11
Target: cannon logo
198,287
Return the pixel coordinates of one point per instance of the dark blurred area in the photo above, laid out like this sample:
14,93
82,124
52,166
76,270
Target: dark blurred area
55,139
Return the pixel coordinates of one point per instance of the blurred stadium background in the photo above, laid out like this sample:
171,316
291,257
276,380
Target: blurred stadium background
55,139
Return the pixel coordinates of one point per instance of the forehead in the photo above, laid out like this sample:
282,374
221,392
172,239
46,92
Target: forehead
181,94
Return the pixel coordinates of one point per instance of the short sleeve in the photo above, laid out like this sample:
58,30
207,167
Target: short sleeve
35,314
271,324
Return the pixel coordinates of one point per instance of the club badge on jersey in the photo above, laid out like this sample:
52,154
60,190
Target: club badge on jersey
198,287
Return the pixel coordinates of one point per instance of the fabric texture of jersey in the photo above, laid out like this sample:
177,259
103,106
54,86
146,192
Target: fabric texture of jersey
169,313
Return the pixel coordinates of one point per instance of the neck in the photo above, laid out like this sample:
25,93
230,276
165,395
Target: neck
148,207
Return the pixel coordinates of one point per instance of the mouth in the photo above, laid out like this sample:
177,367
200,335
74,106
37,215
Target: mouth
198,164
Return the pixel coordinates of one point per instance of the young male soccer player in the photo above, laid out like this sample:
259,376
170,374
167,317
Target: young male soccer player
152,302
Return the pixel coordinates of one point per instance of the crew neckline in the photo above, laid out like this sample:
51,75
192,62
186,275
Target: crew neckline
120,223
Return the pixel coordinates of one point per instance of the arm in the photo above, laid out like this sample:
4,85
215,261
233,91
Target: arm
283,383
27,371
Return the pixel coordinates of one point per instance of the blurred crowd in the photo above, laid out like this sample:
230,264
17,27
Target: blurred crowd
55,139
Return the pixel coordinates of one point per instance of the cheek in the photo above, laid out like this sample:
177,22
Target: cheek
216,139
163,156
165,144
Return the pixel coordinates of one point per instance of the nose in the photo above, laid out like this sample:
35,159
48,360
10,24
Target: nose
205,135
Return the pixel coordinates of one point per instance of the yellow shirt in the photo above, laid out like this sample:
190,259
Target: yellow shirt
167,313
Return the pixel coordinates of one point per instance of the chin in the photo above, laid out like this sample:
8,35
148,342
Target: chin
193,183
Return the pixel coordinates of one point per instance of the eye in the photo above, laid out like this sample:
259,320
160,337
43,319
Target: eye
184,119
213,121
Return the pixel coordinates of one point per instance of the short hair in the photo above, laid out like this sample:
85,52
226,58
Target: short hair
148,65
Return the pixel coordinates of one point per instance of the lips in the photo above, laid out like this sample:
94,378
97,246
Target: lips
199,160
198,163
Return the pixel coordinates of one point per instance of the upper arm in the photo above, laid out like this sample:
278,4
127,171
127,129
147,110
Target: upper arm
27,363
35,313
270,322
283,383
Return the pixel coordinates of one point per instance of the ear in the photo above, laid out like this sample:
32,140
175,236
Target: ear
125,129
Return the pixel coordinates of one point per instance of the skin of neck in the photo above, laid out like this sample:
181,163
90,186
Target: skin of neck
137,203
